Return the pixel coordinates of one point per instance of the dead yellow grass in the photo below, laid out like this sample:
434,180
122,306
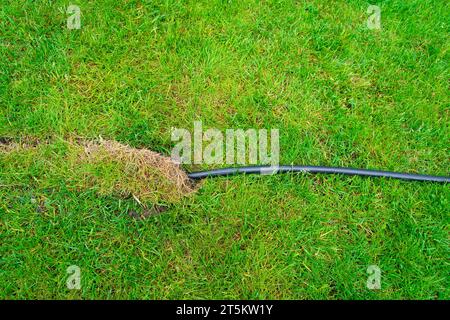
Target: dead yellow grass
109,167
119,169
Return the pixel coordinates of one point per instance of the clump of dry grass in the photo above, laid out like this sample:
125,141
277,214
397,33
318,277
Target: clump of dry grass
109,167
119,169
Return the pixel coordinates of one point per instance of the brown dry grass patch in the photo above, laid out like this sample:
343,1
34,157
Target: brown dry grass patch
146,175
108,167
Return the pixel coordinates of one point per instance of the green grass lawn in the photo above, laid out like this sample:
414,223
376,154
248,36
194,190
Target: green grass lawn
340,94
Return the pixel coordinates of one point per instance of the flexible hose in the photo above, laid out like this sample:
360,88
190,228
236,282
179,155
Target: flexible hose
313,169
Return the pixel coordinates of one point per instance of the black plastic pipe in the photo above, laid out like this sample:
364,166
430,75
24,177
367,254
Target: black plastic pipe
316,169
